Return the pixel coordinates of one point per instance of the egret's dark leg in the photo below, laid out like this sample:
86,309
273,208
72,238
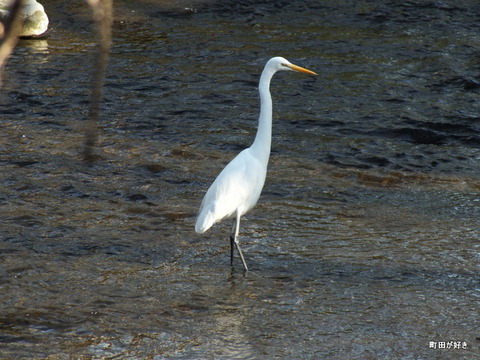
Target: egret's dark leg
234,240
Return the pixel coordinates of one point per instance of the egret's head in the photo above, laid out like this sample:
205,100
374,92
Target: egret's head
280,63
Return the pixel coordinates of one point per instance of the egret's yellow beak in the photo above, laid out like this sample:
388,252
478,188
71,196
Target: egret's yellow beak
301,69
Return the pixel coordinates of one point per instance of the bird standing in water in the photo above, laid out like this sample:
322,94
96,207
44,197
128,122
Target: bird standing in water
237,188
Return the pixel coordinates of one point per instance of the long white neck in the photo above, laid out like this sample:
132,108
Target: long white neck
263,140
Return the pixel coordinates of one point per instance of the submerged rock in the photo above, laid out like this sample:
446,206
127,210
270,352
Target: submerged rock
34,15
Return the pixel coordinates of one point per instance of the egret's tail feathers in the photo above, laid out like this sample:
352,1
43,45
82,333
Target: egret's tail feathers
204,222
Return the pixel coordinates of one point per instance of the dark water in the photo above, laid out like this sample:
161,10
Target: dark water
364,244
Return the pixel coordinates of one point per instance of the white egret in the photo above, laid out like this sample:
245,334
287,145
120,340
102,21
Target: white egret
237,188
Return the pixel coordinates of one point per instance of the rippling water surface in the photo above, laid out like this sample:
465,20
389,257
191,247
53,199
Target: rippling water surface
364,244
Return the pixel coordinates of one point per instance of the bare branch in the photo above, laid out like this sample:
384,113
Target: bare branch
102,14
9,32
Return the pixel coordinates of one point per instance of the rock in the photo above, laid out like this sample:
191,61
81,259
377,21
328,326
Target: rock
34,15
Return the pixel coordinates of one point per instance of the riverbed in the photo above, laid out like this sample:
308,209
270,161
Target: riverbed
364,243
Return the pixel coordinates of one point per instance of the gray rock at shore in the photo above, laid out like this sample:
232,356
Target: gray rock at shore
34,15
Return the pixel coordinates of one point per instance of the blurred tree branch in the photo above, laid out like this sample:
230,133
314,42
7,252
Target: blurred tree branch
103,17
9,32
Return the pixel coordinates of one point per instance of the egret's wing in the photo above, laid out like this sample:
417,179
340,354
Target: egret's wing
238,186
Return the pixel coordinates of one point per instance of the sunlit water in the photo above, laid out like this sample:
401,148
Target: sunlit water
364,244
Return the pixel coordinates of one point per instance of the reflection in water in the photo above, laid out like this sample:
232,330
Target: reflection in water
229,340
364,243
37,46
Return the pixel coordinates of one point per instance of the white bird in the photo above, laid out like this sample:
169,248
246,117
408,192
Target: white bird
237,188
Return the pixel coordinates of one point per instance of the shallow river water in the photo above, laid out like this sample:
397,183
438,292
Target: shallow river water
365,241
